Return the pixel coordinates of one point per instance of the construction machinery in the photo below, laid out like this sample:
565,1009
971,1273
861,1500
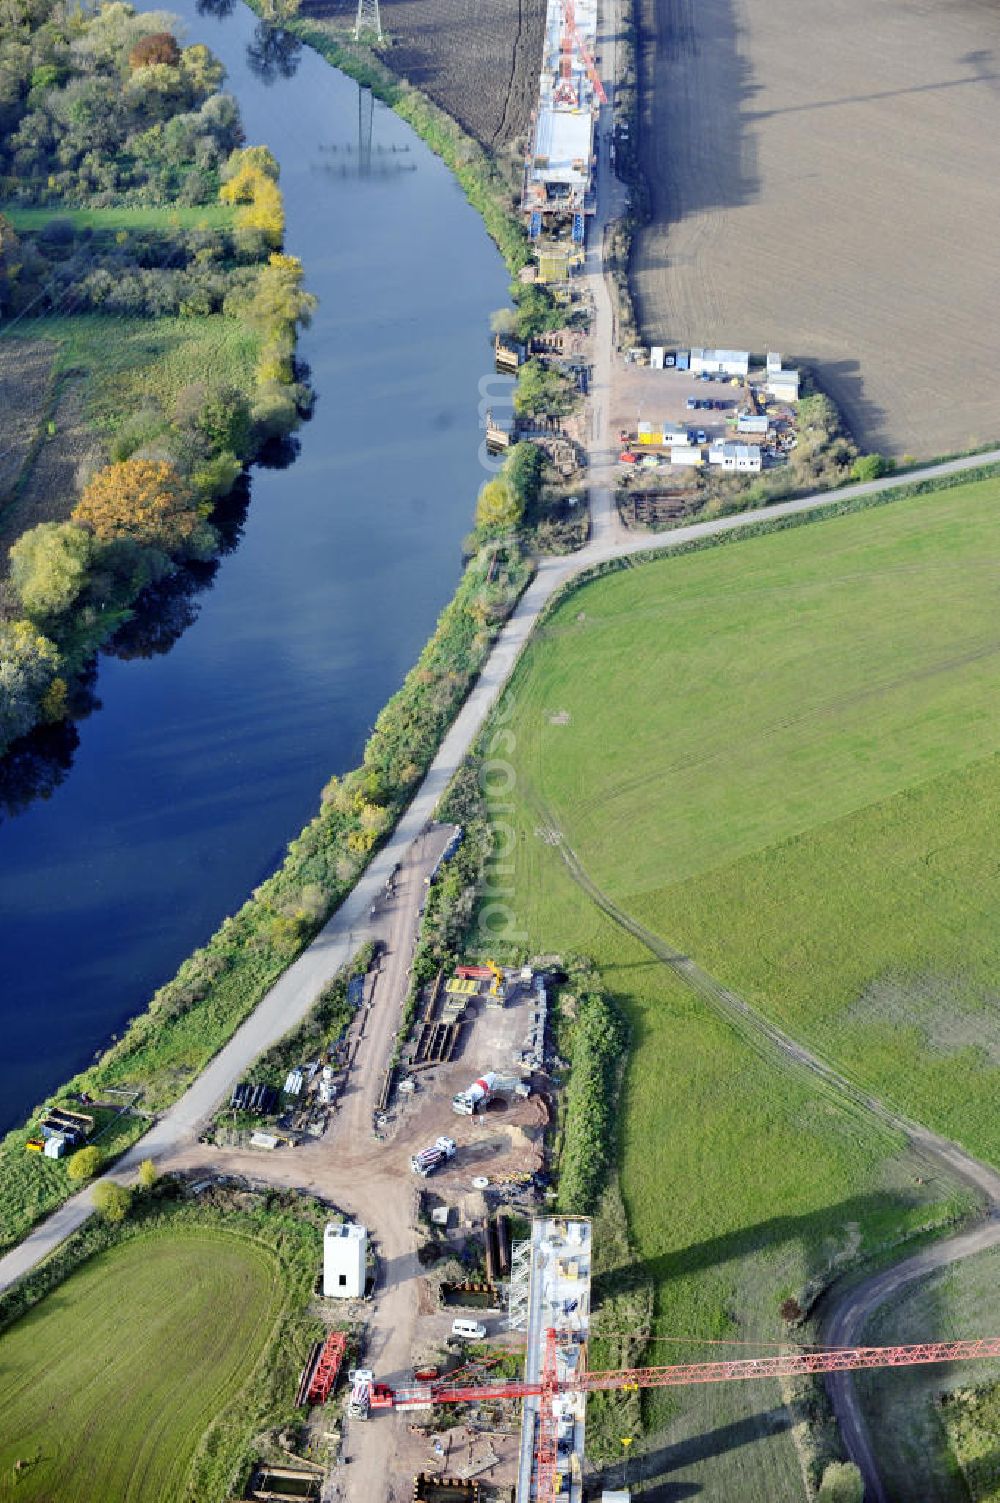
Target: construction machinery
571,37
482,1091
552,1390
428,1159
489,970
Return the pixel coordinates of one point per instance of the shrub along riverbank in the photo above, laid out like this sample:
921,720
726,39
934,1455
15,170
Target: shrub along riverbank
190,1018
104,116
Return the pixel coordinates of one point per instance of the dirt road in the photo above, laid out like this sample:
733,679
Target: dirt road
850,1313
356,1171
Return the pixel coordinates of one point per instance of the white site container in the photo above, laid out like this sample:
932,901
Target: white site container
345,1247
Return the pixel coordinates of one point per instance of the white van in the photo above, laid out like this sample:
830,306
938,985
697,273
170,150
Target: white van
468,1330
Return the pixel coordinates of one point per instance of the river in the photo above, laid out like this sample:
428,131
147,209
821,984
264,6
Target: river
200,764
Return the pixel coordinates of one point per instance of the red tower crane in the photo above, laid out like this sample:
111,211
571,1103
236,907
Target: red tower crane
571,36
789,1365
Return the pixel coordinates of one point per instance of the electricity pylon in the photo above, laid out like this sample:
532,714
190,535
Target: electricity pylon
368,19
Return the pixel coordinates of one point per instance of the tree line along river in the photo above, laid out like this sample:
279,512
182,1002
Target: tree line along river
200,762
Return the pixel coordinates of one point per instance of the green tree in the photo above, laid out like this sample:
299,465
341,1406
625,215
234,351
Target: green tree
523,473
542,391
112,1201
221,414
49,567
503,321
147,1174
28,665
279,303
84,1164
497,509
536,310
842,1483
203,71
871,467
11,262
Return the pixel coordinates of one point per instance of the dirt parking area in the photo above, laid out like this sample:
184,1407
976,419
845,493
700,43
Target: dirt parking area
499,1143
479,62
823,180
470,1450
639,394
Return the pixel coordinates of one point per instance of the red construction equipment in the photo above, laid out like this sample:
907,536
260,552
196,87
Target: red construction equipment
789,1365
327,1367
547,1439
570,33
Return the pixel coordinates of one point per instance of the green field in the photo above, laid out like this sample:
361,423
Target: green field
112,219
129,362
701,729
783,758
108,1387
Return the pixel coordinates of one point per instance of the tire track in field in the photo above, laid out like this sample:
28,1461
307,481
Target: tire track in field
498,134
847,1311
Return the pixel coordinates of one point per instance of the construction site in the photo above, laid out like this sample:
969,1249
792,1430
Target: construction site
558,191
459,1304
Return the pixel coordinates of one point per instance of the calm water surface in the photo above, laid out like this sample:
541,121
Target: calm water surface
200,764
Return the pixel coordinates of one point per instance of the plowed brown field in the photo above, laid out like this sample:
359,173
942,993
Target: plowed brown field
824,183
480,61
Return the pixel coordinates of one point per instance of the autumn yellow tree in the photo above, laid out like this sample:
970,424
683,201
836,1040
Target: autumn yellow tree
252,182
141,500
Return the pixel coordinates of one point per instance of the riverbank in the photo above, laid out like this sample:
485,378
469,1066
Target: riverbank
190,1018
123,443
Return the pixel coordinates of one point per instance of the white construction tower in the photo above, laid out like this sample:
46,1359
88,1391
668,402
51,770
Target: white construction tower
368,19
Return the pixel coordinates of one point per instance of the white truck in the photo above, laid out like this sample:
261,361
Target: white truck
482,1091
360,1402
479,1093
428,1159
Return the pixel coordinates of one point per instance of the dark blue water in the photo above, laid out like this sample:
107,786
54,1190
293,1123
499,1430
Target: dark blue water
200,764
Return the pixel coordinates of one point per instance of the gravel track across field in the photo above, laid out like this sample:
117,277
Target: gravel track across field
823,183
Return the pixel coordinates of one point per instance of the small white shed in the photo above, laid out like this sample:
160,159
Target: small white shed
345,1246
743,457
783,386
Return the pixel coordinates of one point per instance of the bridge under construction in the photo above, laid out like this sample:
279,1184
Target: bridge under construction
559,166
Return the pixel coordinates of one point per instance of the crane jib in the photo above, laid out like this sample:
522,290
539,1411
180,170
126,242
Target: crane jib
786,1365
